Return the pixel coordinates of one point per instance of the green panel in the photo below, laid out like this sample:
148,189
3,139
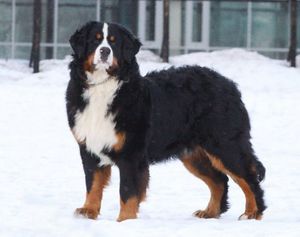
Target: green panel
298,26
128,12
197,22
150,20
44,54
183,17
270,24
72,14
228,24
275,55
47,34
5,20
5,52
109,10
62,52
24,20
122,12
22,52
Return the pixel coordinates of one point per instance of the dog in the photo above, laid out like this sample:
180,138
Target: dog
119,117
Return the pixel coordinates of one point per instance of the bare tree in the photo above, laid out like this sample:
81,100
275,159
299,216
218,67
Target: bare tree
165,42
36,38
49,27
293,36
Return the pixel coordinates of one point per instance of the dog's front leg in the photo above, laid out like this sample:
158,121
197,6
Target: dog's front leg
96,179
134,178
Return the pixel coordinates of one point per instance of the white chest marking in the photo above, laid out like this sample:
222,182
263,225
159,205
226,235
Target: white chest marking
93,126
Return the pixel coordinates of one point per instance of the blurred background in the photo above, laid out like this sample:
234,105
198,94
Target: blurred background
262,26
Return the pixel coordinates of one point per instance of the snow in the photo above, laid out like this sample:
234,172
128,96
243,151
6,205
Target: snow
43,182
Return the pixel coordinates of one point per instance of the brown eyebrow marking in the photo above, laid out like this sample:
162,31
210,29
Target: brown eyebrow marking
98,36
112,38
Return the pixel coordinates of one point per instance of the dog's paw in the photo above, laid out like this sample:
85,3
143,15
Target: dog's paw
205,214
87,212
126,217
249,216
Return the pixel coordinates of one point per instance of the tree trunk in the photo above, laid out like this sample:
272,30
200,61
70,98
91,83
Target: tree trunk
35,51
165,43
49,28
293,36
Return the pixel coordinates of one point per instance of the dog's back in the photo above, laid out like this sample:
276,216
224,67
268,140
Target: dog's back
193,105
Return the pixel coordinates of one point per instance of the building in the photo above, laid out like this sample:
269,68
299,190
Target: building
194,25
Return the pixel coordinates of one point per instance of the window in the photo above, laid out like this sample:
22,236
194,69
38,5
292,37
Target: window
6,28
71,15
270,25
298,25
24,15
197,22
109,10
5,51
22,52
63,51
5,21
150,20
120,11
48,27
228,24
23,28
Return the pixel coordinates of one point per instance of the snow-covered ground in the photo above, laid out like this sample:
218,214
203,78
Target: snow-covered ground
42,180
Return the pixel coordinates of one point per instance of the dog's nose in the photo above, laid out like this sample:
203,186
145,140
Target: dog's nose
104,52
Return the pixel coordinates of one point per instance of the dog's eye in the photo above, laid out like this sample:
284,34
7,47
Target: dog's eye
99,36
112,39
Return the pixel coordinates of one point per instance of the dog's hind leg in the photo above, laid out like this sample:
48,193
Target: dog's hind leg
198,164
244,174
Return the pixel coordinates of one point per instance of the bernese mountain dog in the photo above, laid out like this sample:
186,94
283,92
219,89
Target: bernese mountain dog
119,117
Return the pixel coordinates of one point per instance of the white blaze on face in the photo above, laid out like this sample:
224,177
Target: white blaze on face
100,74
104,44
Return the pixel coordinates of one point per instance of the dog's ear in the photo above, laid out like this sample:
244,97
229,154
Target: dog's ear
78,40
131,45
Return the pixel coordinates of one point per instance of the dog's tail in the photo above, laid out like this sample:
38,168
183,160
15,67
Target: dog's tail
258,168
260,171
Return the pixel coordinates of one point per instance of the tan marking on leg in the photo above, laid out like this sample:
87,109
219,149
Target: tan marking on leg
213,208
92,205
129,209
121,136
143,196
251,206
88,64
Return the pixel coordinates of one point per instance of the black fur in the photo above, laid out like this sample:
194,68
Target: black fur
167,114
89,162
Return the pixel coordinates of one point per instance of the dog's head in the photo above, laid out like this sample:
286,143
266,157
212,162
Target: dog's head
104,46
